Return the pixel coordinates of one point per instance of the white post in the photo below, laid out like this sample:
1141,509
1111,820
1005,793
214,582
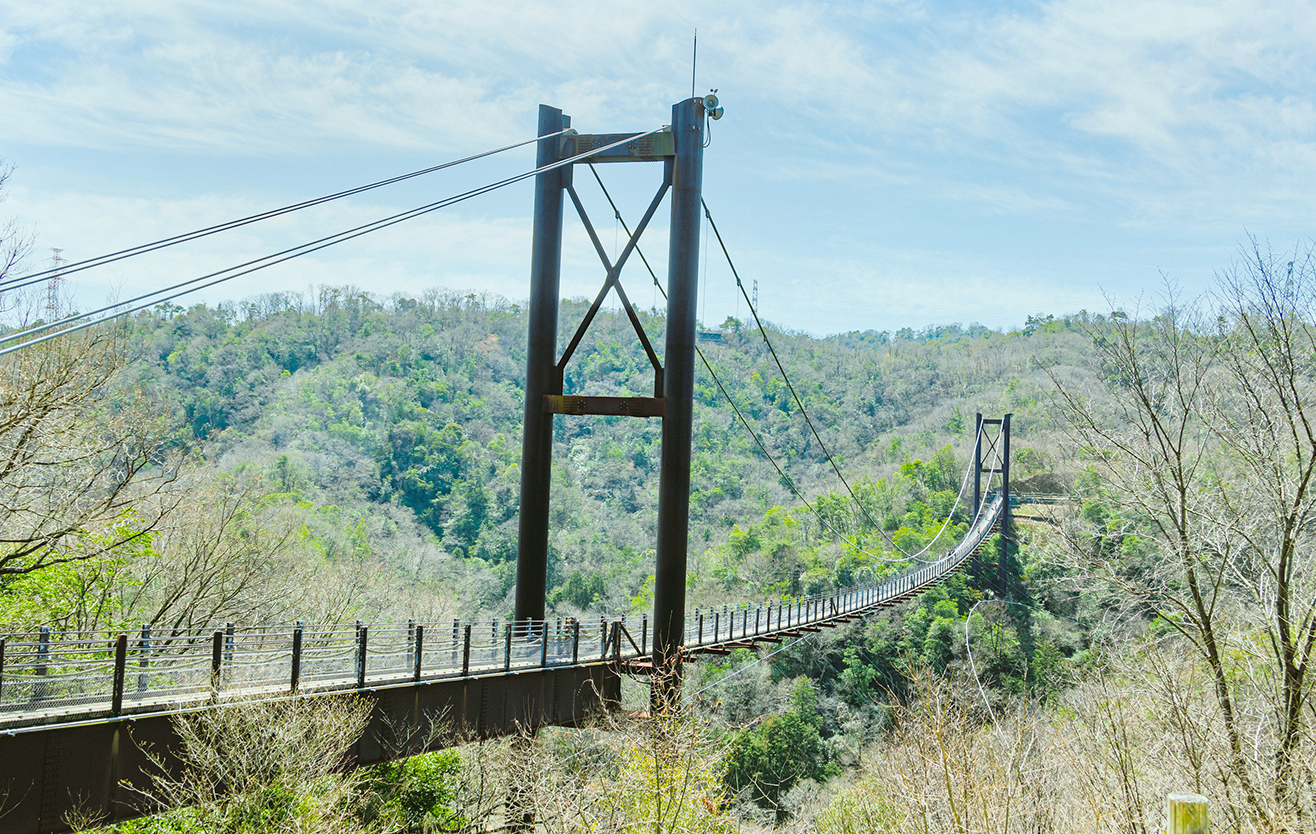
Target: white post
1186,813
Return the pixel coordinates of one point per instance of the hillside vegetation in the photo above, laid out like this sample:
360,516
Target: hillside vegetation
380,440
344,457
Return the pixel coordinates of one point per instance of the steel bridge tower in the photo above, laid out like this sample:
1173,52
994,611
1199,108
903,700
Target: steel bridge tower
997,453
680,149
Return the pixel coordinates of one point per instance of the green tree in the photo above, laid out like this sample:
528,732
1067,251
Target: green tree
769,759
581,590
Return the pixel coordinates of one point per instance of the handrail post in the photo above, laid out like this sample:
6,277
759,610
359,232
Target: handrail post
701,630
507,647
456,640
362,641
43,660
411,643
717,620
216,661
228,646
120,669
543,648
466,652
296,677
420,652
575,642
143,657
644,633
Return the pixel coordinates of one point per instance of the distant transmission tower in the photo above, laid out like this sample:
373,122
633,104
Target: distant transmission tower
756,295
52,289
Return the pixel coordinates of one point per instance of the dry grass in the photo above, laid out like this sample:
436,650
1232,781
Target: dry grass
1101,760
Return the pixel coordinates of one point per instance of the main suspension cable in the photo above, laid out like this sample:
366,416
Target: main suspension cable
822,520
20,281
786,478
95,317
786,377
959,496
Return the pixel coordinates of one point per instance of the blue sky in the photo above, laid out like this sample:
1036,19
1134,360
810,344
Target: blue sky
880,165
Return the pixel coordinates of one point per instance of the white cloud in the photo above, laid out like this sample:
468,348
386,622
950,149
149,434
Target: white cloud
1180,119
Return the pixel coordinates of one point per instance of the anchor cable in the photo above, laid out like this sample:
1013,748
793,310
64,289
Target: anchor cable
95,317
101,260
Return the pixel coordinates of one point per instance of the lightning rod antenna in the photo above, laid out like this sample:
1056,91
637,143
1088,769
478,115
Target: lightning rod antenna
694,63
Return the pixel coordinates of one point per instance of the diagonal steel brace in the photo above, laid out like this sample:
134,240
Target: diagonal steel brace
613,281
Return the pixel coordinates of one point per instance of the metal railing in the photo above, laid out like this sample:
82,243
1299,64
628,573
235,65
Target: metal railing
51,677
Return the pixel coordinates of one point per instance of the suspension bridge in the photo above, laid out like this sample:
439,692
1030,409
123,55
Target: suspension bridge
86,719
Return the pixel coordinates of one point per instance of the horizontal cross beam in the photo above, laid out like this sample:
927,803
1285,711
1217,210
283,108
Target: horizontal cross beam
607,406
652,148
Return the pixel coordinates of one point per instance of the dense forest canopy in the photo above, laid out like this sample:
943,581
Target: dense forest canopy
390,430
340,456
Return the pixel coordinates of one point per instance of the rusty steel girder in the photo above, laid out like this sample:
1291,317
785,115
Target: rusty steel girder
99,769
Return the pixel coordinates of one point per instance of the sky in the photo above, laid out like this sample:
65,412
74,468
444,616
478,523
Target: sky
880,165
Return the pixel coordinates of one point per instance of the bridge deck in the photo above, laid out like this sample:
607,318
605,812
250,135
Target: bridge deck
75,713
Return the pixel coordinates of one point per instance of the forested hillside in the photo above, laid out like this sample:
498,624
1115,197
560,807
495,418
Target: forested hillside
392,427
345,456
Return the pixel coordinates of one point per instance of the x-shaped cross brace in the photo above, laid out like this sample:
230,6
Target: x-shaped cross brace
613,281
989,448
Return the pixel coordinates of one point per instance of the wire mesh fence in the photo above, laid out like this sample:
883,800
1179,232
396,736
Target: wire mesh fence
48,675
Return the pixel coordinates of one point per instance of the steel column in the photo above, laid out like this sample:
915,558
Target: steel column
296,675
977,462
678,389
541,370
1006,532
976,569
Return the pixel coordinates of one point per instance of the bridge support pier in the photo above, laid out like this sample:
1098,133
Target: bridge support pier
1007,531
541,370
681,150
977,462
997,451
678,390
